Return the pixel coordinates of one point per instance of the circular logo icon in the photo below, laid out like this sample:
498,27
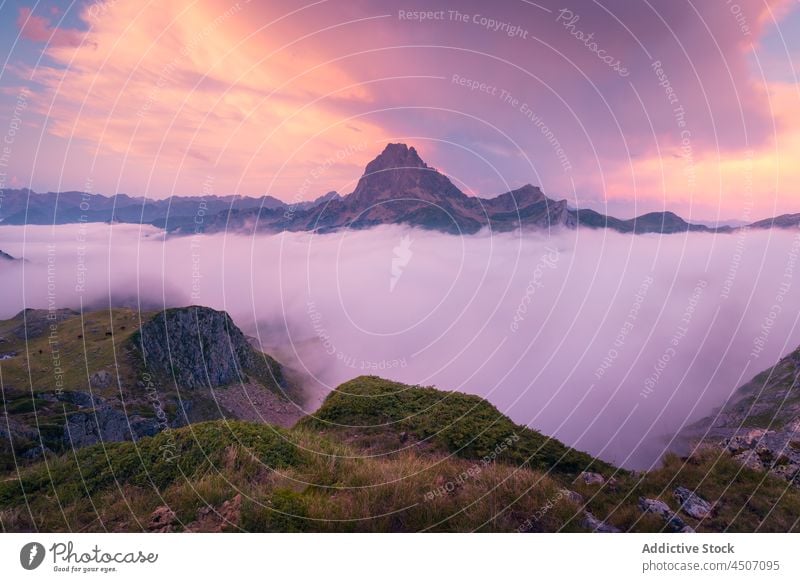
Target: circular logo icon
31,555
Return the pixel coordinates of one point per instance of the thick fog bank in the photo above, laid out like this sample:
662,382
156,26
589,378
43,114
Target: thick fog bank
609,342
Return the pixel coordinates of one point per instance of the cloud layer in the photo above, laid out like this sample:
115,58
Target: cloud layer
608,342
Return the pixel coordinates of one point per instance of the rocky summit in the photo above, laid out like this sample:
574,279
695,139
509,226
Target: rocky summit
399,174
195,347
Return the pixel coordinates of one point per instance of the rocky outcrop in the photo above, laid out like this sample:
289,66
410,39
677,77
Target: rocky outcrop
162,520
590,478
775,451
672,521
195,347
106,424
692,504
760,425
216,520
595,525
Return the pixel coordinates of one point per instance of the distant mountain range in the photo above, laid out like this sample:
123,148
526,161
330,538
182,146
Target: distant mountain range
397,188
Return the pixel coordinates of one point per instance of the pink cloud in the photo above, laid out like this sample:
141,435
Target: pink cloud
38,29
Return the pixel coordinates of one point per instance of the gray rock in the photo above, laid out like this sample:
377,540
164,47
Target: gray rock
106,424
658,507
592,523
572,496
592,478
196,347
692,504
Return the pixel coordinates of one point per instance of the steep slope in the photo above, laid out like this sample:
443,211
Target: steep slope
760,425
6,257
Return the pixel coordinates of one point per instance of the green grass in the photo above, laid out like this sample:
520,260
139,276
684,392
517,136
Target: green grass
300,480
746,500
290,481
464,425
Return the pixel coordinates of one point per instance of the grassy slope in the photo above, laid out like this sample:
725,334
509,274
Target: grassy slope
319,477
80,348
464,425
100,340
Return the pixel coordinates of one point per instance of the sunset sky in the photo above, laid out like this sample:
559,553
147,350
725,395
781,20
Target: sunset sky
687,106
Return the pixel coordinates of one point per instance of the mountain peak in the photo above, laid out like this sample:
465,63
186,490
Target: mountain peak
395,156
398,173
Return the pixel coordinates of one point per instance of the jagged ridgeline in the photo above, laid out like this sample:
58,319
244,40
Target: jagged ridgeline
397,187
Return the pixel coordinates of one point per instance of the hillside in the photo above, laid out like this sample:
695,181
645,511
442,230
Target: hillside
237,476
760,425
162,423
72,380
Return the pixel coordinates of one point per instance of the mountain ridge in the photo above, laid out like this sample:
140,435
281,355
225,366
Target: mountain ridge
397,187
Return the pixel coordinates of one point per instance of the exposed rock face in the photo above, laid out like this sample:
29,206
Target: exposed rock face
255,403
399,172
106,424
195,347
79,399
692,504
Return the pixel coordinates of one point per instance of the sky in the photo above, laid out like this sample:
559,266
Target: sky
625,108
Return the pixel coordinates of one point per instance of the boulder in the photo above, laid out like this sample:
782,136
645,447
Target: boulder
658,507
572,496
692,504
593,524
592,478
162,520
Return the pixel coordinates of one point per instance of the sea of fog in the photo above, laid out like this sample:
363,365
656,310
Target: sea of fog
608,342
